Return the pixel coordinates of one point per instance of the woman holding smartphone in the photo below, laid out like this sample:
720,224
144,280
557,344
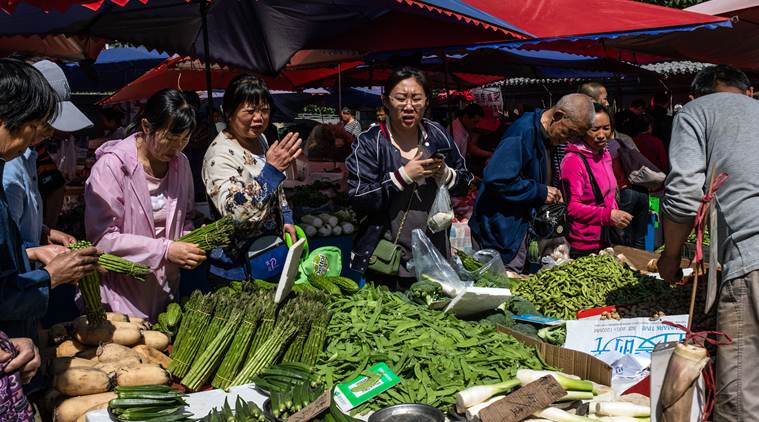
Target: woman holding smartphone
394,172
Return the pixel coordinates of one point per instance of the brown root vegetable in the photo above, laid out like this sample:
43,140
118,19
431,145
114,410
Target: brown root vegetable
115,316
137,320
90,353
152,356
142,375
70,410
69,349
62,364
113,352
107,332
155,339
112,368
82,381
100,406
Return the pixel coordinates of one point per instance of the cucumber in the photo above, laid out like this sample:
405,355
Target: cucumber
344,283
323,283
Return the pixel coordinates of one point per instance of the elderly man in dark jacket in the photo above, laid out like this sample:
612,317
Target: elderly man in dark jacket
516,181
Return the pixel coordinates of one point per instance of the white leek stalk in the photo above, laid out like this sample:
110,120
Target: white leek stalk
577,395
620,408
558,415
623,419
477,394
527,376
473,413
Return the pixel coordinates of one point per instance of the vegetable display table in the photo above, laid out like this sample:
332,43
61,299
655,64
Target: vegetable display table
199,404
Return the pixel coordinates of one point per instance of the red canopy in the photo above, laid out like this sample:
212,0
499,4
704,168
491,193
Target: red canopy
569,18
58,46
186,74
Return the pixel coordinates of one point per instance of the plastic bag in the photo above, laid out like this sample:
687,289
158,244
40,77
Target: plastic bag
66,158
325,261
430,265
491,262
441,213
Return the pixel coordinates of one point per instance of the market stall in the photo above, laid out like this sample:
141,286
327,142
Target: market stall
463,337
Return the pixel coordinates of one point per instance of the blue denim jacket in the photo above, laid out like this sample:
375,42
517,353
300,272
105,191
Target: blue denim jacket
21,191
23,291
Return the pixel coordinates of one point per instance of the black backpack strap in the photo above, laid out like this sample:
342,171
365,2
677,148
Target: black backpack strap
594,185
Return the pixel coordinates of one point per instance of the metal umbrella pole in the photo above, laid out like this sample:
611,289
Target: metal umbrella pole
207,60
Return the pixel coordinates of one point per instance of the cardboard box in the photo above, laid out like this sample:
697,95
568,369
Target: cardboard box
572,362
640,258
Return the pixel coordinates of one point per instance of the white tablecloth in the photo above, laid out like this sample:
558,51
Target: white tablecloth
200,404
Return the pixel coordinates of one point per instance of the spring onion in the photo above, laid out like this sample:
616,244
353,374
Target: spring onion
620,408
527,376
477,394
558,415
577,395
473,413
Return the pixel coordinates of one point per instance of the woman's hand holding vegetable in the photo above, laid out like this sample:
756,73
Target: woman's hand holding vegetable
72,266
186,255
553,195
282,153
620,219
290,229
58,237
27,360
418,169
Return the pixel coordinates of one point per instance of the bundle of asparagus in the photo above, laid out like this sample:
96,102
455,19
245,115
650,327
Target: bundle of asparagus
211,236
89,285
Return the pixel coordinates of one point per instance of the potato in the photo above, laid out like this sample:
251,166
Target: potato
152,356
70,410
112,352
115,316
69,349
62,364
155,339
82,381
142,375
107,332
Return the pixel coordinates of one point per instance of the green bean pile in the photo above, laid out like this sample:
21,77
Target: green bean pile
587,282
434,354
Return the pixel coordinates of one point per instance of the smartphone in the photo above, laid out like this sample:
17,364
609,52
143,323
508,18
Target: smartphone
441,153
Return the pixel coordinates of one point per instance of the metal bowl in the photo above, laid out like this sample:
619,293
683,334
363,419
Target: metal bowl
408,413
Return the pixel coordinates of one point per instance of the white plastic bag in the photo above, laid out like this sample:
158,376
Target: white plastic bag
66,158
441,213
430,265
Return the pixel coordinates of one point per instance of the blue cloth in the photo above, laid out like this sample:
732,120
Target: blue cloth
22,193
513,186
23,291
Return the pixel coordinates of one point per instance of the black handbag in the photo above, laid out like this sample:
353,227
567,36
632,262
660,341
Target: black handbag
550,221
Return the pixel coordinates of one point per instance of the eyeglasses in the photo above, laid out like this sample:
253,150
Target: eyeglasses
416,101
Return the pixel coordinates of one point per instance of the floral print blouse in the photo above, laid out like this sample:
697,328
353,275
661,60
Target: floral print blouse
244,185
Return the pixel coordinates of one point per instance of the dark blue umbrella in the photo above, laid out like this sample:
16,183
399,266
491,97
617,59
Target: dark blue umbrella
114,68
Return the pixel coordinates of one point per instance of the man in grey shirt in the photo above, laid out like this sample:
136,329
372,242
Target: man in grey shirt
717,133
351,125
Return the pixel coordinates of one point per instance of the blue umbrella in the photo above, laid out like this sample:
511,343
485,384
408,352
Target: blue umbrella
114,68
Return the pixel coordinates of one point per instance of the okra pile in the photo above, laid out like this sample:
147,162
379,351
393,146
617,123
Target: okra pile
148,403
588,282
244,412
435,354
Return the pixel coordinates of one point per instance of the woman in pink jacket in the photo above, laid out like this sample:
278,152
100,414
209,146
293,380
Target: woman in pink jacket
139,198
590,188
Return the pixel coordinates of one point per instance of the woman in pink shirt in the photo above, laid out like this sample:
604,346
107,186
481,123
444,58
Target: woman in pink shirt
139,198
590,188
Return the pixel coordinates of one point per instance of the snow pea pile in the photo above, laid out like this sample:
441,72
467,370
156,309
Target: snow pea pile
434,354
587,282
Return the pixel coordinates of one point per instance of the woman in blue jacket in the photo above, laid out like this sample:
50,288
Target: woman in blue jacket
393,177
